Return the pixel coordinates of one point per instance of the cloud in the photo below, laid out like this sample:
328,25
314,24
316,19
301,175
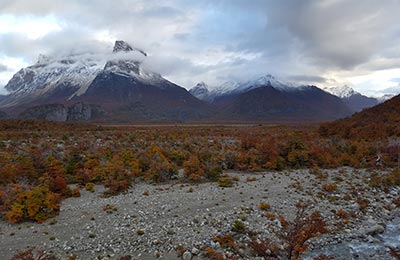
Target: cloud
3,67
215,41
307,78
392,90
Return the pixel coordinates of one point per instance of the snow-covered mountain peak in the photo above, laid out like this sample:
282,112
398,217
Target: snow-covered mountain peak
267,80
200,91
201,85
341,91
73,73
122,46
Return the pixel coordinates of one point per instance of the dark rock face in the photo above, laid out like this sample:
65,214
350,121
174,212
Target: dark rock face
84,112
125,47
61,113
51,112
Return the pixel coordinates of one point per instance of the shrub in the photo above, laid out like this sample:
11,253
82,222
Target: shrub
329,187
225,241
362,203
89,186
295,234
264,206
266,249
110,208
38,205
33,254
238,227
270,216
225,182
75,192
213,173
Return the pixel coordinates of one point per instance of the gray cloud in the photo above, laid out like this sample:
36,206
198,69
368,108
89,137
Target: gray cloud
307,78
392,90
3,67
213,40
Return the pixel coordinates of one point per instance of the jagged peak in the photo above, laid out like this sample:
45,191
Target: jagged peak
201,85
120,46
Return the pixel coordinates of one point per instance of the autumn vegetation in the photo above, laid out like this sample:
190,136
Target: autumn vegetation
39,161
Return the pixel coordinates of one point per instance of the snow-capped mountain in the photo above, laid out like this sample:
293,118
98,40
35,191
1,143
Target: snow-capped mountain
385,97
268,98
341,91
49,75
264,81
229,88
353,99
200,91
71,74
115,81
203,92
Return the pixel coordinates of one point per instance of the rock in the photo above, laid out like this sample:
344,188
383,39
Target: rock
59,112
372,239
374,230
51,112
187,255
195,251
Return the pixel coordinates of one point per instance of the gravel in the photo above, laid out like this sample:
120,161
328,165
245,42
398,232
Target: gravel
175,214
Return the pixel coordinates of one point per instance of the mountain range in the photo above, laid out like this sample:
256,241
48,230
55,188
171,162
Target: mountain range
117,89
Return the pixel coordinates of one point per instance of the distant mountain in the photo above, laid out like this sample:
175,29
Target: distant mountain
200,91
285,104
119,86
385,97
353,99
267,98
203,92
381,121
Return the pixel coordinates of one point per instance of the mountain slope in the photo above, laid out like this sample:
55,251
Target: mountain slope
267,98
270,103
381,121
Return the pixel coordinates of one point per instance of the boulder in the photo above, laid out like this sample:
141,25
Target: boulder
374,230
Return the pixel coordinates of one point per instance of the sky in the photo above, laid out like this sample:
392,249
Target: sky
326,43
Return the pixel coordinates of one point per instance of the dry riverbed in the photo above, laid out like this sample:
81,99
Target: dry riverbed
150,221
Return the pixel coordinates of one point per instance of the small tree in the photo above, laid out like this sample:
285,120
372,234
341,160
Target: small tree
296,234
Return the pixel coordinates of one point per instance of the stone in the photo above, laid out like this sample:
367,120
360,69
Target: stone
374,230
187,255
195,251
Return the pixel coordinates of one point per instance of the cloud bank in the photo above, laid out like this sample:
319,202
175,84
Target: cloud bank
329,42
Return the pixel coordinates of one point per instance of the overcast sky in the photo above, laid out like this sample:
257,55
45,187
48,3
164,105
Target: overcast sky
325,42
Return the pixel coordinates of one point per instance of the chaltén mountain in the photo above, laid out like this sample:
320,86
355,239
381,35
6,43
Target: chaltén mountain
116,90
